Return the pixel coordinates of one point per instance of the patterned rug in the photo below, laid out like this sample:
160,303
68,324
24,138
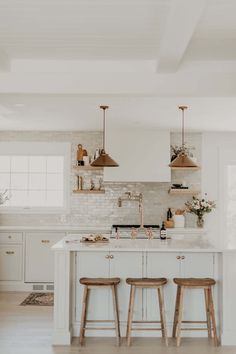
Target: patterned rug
39,299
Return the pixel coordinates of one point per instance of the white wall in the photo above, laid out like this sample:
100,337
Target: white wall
215,147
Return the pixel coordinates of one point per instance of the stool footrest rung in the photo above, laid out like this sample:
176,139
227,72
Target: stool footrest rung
194,329
193,321
146,329
94,321
99,328
146,321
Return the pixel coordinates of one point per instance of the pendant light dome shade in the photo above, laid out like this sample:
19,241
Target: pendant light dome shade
183,160
104,160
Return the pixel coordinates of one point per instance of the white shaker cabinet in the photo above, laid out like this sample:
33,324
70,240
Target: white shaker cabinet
143,155
10,256
108,264
172,265
39,260
11,262
128,265
92,265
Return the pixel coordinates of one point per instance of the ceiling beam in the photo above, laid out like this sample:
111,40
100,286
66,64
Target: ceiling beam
4,61
181,23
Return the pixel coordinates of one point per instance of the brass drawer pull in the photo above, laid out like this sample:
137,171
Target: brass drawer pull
183,257
178,257
45,241
10,252
111,256
107,256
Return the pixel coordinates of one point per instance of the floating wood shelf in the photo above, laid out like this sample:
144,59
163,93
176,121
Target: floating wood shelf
87,168
88,191
183,191
185,168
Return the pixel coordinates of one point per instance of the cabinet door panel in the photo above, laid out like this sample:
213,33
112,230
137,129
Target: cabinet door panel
39,258
127,265
199,265
162,265
94,265
11,262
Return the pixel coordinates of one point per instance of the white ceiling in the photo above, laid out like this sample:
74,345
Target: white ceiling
82,28
61,59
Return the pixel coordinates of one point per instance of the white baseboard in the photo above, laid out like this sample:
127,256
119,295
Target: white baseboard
61,337
21,286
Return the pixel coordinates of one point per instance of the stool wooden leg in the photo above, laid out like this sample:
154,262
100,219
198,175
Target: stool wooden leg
130,313
116,313
208,317
162,315
176,312
212,314
83,314
180,314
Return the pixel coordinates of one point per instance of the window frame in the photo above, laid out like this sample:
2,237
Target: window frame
33,148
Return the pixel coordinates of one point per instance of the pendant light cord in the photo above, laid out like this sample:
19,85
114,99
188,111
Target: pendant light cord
182,109
104,128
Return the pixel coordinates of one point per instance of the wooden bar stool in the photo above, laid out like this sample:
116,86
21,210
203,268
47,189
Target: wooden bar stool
156,283
194,283
98,283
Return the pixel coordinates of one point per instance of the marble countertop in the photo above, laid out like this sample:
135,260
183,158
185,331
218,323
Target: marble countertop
187,244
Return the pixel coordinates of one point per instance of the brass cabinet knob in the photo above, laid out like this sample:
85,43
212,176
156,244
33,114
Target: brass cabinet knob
9,236
10,252
183,257
45,241
111,256
107,256
178,257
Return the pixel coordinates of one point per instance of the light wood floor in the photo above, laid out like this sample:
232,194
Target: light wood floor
27,330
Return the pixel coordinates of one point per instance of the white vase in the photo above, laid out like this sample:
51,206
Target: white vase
179,220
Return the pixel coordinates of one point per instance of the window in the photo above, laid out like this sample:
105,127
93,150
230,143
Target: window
36,176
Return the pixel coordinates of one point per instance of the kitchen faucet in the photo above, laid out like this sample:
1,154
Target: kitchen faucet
129,196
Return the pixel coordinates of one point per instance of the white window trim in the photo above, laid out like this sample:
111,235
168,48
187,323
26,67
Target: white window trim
40,149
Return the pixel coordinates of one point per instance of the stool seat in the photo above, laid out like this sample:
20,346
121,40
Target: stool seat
194,282
146,282
99,281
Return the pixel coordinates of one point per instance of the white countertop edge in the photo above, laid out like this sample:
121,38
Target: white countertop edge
56,228
157,250
104,229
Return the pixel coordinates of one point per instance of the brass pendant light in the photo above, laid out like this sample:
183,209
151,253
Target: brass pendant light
183,160
104,160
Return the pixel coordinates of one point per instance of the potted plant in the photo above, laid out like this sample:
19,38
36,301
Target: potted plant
200,207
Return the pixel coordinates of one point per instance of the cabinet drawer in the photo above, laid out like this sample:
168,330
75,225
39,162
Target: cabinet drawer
11,262
11,237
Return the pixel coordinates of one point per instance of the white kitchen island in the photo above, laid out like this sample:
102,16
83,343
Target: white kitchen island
190,256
